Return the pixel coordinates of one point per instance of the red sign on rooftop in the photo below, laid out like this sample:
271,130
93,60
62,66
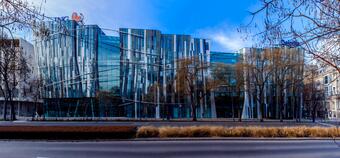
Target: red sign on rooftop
77,18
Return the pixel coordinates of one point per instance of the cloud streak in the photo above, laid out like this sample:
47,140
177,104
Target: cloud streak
224,38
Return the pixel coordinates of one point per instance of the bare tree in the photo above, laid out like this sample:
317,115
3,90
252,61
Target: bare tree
16,15
33,89
106,101
150,98
13,70
314,94
287,64
259,68
313,25
239,86
223,77
222,73
188,81
272,76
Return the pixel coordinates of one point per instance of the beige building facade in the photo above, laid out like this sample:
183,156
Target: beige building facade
330,82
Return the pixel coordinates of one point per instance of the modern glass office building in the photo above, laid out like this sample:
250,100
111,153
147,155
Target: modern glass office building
148,68
89,74
140,69
76,62
66,58
175,48
109,64
228,101
225,57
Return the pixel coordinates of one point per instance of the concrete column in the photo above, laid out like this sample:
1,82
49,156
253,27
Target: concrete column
157,107
213,105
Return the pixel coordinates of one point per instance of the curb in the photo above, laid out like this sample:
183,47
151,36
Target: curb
326,124
232,139
244,139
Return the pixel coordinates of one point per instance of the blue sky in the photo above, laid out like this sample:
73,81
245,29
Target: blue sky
216,20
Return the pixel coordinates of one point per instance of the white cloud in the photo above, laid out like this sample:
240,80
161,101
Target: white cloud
224,38
229,42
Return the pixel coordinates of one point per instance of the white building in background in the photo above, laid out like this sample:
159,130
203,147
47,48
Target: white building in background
25,103
330,82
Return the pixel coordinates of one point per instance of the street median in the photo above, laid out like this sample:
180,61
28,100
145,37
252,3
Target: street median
219,131
67,132
131,132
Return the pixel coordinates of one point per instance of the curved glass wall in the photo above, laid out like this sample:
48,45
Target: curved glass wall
88,73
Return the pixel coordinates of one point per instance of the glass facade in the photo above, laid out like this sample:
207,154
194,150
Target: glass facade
133,75
108,64
175,48
140,70
148,69
76,62
225,58
228,102
66,60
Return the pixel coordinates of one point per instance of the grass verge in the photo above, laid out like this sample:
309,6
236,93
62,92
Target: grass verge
219,131
67,132
127,132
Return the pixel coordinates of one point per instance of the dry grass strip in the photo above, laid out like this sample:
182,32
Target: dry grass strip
219,131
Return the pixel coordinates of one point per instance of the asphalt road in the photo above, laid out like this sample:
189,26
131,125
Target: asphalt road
172,149
163,123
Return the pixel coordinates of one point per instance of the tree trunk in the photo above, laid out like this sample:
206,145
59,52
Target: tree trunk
168,112
240,109
239,115
314,113
232,108
12,110
277,105
300,106
194,117
281,105
261,107
5,110
262,112
281,112
10,97
193,108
